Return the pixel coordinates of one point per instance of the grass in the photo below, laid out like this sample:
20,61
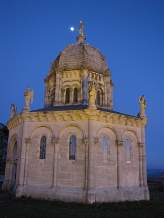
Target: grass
30,208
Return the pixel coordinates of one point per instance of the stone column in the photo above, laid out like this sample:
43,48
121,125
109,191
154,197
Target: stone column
118,144
57,90
64,96
140,148
110,95
26,158
105,92
71,95
54,162
46,95
80,92
85,141
144,168
91,165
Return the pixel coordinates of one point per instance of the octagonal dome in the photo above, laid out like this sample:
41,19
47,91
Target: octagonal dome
81,56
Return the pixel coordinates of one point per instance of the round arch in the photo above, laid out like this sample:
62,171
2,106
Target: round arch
109,130
39,127
130,133
72,126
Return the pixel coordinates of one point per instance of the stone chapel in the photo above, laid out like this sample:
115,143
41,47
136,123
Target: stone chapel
77,147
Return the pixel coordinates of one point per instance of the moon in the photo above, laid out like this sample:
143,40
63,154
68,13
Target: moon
72,28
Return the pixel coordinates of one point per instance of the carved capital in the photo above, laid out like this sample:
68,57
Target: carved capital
8,161
140,144
27,140
119,142
85,140
12,161
96,140
54,140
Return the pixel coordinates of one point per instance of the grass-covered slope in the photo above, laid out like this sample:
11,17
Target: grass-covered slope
23,208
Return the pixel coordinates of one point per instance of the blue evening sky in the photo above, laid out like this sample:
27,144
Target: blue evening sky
130,33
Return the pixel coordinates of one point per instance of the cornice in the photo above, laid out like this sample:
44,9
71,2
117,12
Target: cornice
76,115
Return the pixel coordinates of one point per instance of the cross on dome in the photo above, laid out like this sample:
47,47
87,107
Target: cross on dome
81,37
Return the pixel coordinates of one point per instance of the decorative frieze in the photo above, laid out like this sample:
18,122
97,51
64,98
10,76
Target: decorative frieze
71,115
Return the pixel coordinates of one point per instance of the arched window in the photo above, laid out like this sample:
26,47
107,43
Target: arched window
43,147
128,149
72,147
75,95
98,97
105,146
67,96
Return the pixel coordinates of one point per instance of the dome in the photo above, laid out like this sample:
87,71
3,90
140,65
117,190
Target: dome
81,56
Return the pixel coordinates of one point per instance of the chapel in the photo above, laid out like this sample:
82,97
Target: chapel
77,148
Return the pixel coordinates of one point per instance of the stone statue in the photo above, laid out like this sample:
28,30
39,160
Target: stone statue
142,102
28,94
92,96
13,110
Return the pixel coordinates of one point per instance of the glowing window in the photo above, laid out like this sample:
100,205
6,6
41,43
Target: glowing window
72,147
43,147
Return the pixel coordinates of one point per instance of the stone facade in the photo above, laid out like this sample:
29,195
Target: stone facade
89,152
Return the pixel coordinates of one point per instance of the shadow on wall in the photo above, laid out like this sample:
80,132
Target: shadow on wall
3,151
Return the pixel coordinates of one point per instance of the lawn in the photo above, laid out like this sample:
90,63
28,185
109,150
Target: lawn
23,208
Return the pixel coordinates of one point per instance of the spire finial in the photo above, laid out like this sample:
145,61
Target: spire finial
81,29
81,37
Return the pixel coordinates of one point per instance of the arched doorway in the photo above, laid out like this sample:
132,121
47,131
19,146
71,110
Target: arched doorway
14,168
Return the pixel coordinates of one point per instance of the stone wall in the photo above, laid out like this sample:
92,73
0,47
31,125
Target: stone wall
93,176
